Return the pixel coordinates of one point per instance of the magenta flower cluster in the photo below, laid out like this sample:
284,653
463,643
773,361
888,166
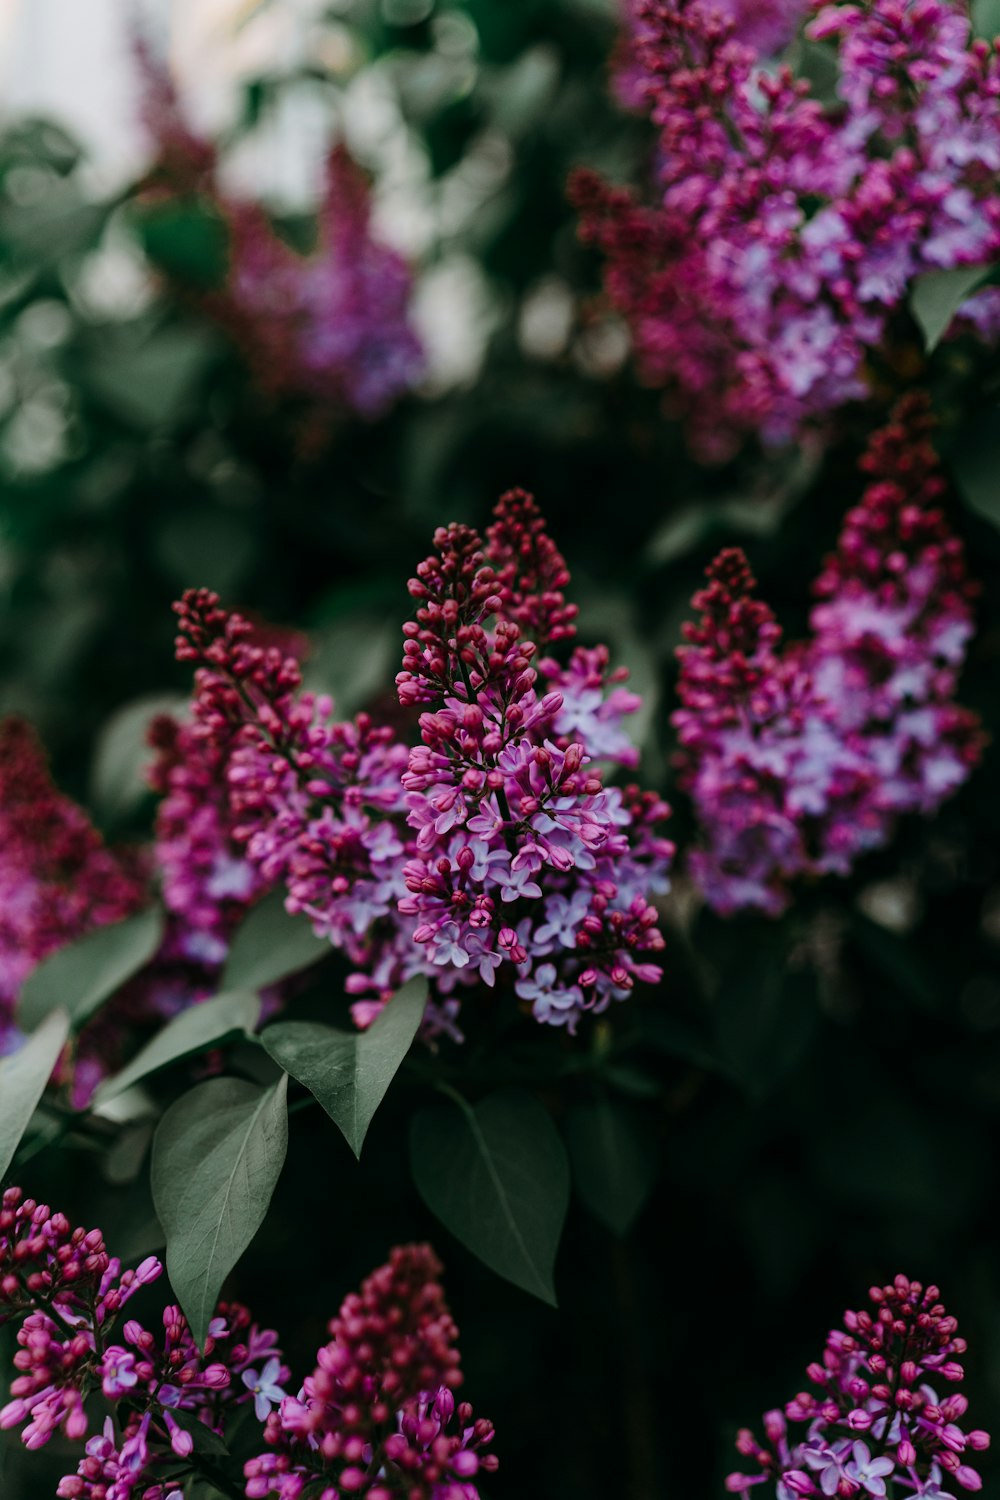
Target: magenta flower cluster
880,1419
490,849
59,882
330,330
58,879
765,26
799,759
67,1295
377,1417
783,237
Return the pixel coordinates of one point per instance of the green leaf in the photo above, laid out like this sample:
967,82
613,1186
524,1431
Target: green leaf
975,461
149,384
194,1030
937,296
185,241
614,1163
766,1018
349,1072
986,18
117,779
206,1442
270,945
677,1037
497,1176
83,975
217,1156
23,1076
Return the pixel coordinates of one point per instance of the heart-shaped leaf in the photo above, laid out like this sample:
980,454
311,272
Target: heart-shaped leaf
217,1156
194,1030
937,296
80,977
614,1162
349,1072
497,1176
23,1076
269,945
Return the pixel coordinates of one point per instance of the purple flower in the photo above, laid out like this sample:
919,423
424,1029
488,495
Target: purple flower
867,1471
264,1385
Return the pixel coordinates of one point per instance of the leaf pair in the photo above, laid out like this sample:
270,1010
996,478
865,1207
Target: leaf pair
219,1150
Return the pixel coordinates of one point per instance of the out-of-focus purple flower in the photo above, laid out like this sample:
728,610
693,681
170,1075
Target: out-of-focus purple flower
782,237
330,329
58,879
799,759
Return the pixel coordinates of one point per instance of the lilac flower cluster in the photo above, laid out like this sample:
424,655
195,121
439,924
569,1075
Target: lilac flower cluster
206,882
377,1416
876,1423
783,238
68,1295
799,759
330,330
58,879
765,26
492,846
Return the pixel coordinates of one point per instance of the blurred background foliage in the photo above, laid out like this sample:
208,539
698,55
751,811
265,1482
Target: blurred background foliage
817,1099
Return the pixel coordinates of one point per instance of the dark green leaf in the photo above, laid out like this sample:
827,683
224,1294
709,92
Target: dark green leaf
614,1162
678,1038
766,1017
206,1441
23,1076
937,296
186,242
217,1157
192,1031
975,461
83,975
905,969
497,1176
350,1071
270,945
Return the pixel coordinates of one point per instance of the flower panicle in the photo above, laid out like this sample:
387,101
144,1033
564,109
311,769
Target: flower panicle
779,238
67,1294
801,758
874,1422
491,849
378,1412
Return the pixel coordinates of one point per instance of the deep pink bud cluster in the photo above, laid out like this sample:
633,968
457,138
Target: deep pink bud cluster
799,759
766,26
68,1295
58,879
783,237
880,1418
330,330
493,844
377,1416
